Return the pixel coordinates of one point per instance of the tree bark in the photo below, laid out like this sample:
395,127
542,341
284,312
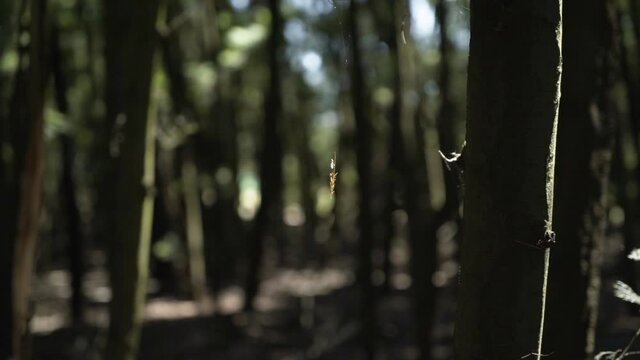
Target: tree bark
513,96
131,33
585,146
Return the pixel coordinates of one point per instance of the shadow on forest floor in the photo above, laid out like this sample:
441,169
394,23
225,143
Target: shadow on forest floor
300,314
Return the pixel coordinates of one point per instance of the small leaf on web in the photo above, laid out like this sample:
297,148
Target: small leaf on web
634,255
625,292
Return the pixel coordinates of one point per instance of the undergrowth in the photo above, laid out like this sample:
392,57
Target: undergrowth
626,293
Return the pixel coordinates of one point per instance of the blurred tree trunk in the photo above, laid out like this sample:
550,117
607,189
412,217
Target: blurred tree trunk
385,17
309,254
446,116
422,227
269,217
131,33
12,135
628,172
195,235
22,183
585,145
364,133
182,107
514,70
224,224
75,246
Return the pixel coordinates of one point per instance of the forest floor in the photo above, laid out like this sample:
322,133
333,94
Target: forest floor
300,314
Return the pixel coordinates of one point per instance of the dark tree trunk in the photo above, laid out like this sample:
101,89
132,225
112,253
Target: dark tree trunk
422,226
26,131
75,245
585,145
269,217
182,107
364,133
513,96
224,224
12,136
385,16
131,33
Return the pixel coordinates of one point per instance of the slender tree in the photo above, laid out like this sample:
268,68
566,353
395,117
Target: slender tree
75,245
271,162
409,175
513,97
11,137
182,106
364,132
385,15
130,32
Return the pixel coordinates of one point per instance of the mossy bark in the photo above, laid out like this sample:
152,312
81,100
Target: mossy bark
513,96
131,31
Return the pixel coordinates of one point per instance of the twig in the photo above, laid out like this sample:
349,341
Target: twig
626,350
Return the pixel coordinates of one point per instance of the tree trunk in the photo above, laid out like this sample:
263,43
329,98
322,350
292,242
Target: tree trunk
422,226
75,248
13,134
271,163
174,67
195,235
585,145
364,133
224,225
131,32
30,170
514,79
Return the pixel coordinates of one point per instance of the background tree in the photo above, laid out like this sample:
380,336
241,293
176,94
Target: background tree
271,163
